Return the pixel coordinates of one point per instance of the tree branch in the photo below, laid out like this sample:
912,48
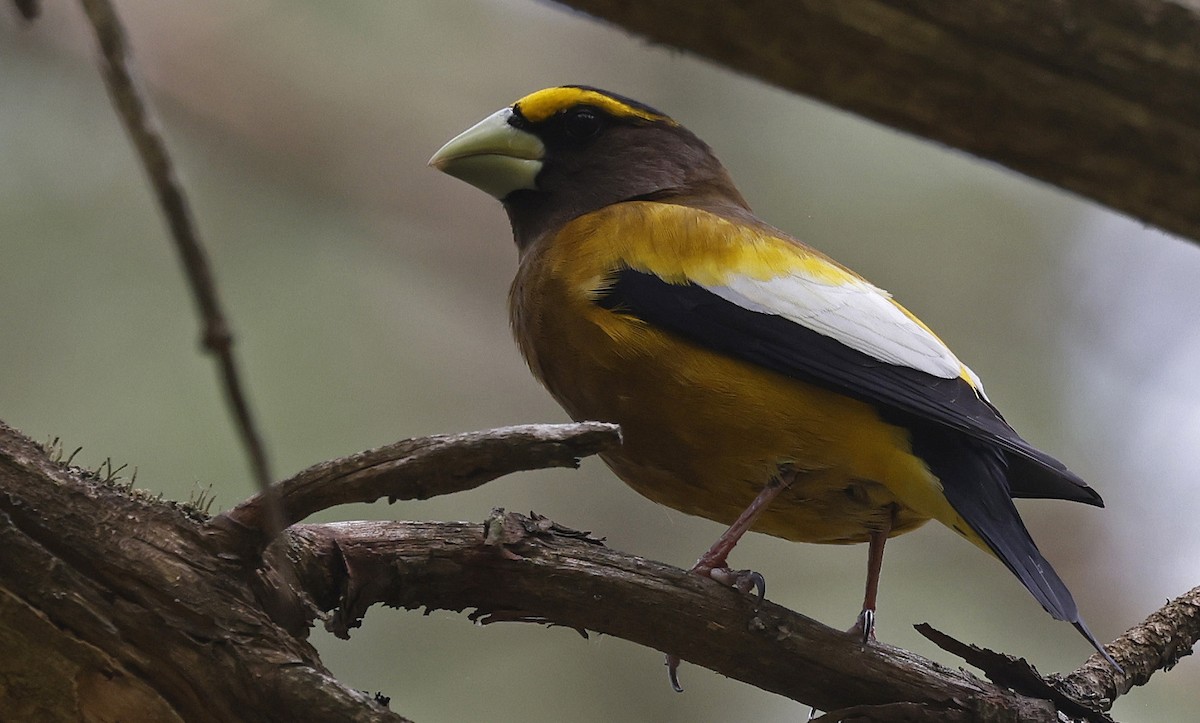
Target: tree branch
1095,96
1019,675
143,128
142,600
114,606
515,568
414,469
1158,643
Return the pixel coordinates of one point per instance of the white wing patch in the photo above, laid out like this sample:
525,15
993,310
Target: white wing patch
854,312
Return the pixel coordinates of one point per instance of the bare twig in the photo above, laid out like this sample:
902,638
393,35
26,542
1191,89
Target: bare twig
416,469
143,129
1015,673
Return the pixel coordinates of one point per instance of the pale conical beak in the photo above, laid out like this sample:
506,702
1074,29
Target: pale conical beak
493,156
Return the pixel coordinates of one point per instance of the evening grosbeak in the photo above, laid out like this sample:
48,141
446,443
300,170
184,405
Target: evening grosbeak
756,381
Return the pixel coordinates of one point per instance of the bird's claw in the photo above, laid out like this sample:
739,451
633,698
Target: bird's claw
864,626
673,672
741,580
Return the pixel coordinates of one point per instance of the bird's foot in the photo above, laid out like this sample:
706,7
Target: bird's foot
864,626
741,580
712,564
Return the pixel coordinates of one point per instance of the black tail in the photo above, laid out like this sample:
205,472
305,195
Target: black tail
974,479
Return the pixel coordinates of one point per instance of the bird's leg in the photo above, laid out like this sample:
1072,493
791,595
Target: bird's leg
713,563
865,625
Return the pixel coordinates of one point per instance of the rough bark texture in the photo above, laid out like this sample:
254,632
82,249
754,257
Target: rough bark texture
1162,640
115,606
515,568
1100,97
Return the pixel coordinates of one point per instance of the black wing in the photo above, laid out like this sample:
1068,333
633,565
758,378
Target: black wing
904,396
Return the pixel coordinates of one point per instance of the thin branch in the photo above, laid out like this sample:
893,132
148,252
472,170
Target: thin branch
143,128
415,469
898,712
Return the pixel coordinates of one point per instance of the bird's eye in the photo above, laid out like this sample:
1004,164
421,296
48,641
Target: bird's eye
582,123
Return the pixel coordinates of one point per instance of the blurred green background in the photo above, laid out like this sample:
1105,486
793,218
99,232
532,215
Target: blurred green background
367,293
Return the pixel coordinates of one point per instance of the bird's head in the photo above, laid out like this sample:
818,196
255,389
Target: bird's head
562,152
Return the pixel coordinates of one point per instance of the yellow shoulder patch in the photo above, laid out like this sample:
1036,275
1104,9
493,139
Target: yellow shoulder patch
682,244
539,106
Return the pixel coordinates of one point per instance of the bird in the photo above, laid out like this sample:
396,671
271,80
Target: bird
757,382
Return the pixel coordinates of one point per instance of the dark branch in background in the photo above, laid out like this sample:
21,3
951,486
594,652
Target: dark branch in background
1094,96
29,9
143,129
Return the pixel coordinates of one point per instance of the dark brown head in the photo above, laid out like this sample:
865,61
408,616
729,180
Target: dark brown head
561,152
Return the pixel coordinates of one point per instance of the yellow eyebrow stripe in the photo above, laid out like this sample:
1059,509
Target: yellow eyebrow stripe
539,106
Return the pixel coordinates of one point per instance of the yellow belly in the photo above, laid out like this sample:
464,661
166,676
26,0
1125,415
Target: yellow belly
703,433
